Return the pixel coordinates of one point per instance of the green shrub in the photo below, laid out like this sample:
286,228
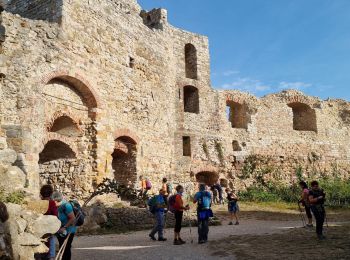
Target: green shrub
16,197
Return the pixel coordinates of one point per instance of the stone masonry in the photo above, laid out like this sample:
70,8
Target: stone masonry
102,88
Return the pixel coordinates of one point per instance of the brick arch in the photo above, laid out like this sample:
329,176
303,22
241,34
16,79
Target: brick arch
78,82
56,137
61,113
127,133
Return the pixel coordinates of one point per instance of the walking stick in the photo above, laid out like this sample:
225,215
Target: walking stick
190,224
301,215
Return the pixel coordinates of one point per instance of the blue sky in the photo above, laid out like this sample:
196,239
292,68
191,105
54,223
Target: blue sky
265,46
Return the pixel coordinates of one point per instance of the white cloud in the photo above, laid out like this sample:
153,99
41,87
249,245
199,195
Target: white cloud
293,85
230,73
247,84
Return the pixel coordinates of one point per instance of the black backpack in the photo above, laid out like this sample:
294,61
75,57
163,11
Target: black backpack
78,212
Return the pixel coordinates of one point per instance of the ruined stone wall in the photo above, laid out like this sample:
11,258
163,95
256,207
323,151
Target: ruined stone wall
107,71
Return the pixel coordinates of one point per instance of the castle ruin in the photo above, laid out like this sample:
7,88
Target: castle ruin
102,88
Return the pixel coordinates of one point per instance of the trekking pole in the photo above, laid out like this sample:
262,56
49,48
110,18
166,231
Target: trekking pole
190,224
301,215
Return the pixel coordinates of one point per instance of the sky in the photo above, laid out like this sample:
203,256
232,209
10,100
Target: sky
266,46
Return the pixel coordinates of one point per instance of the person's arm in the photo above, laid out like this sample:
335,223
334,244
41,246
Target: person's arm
71,220
195,199
314,200
234,196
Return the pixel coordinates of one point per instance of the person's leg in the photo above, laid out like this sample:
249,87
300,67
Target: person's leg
67,255
180,224
308,214
52,247
231,217
160,226
205,229
318,221
155,228
199,229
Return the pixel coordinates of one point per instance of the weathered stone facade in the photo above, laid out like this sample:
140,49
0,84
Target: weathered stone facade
100,88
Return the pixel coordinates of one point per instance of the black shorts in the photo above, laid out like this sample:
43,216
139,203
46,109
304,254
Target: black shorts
178,220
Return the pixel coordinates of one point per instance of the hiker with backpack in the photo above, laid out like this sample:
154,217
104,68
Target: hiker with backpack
167,187
176,206
317,198
304,201
46,192
145,185
204,212
157,207
68,229
233,207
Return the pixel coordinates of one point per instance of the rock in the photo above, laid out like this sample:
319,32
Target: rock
13,179
38,206
27,239
7,156
44,225
13,209
21,224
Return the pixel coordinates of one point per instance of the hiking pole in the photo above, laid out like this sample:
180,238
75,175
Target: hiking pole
190,224
301,215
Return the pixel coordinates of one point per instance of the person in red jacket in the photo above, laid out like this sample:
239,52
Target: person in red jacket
46,192
179,210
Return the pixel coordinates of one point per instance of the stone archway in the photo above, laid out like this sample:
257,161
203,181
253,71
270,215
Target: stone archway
207,177
124,160
59,166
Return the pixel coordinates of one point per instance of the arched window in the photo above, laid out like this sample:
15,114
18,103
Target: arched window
65,125
304,117
191,61
191,99
238,114
55,150
124,160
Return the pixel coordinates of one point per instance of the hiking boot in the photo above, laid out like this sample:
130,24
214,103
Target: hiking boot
152,237
201,241
162,239
237,223
309,225
230,223
182,241
177,242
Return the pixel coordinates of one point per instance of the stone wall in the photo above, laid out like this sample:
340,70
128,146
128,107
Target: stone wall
109,72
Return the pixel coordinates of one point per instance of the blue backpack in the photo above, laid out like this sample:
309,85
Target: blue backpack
204,200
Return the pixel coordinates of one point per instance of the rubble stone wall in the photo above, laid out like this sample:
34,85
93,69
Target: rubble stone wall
119,72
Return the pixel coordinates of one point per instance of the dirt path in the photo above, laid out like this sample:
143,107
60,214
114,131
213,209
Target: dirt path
136,245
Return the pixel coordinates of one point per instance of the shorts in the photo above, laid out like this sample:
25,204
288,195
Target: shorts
233,207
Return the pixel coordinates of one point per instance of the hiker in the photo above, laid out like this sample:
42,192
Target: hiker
317,199
179,210
46,192
167,188
67,218
219,189
214,193
145,185
305,201
203,198
157,206
233,207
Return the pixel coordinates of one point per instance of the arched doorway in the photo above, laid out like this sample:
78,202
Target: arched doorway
207,177
59,166
124,160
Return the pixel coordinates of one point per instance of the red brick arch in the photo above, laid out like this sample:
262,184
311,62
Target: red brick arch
54,136
126,132
59,114
78,82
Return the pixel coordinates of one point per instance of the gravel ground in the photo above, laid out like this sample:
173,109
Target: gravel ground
137,245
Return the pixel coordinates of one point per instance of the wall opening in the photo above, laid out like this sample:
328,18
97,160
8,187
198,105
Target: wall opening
191,99
208,178
124,160
186,146
66,126
191,61
236,147
304,117
59,166
237,114
55,150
